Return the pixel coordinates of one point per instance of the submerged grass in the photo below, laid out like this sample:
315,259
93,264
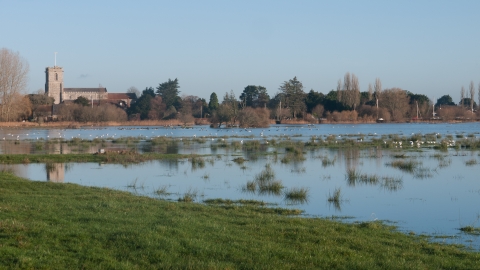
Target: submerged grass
354,176
336,197
120,157
296,195
162,191
404,165
102,228
470,230
471,162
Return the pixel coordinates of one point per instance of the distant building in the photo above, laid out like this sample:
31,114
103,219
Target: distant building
54,87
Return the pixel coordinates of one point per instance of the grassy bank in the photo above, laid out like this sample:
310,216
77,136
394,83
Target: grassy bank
124,157
48,225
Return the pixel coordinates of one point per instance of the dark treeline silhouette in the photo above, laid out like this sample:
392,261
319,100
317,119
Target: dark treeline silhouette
254,107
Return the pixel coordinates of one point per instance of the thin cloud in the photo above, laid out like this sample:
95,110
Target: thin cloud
83,76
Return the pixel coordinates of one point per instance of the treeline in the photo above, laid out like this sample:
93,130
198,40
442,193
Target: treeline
255,108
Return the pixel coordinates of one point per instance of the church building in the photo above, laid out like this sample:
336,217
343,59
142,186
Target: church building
54,88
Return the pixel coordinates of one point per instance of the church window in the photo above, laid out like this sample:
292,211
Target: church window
56,76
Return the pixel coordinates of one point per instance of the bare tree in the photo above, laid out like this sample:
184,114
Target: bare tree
378,91
347,82
13,81
355,92
350,94
231,103
395,100
134,90
472,95
318,111
339,90
370,91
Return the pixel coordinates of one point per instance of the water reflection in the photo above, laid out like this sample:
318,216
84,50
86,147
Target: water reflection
55,172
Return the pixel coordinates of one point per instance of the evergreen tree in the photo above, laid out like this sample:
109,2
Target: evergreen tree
294,96
143,105
169,93
213,103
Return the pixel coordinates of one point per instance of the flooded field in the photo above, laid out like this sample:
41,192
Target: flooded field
422,178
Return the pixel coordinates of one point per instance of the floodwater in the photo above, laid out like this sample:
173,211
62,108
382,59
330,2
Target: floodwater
437,197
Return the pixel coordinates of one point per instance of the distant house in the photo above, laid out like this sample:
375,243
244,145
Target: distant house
121,99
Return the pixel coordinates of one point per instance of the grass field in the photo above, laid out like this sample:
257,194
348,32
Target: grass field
66,226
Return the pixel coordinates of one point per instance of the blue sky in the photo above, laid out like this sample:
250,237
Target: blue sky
426,47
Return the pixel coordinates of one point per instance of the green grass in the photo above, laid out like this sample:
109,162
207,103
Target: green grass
123,157
67,226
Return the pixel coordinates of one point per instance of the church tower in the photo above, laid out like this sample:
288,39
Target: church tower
54,83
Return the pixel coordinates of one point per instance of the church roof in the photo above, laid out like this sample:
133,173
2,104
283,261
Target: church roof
122,96
86,90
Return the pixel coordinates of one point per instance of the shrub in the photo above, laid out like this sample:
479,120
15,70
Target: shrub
250,117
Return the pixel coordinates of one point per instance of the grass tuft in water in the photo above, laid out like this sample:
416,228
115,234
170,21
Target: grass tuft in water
297,195
336,196
273,187
189,196
239,160
471,162
470,230
162,191
197,162
354,176
408,166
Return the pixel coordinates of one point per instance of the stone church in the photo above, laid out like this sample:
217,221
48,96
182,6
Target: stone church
54,88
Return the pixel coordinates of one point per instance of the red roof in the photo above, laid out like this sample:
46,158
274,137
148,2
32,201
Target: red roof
122,96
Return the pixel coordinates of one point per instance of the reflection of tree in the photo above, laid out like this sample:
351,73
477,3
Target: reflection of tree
337,205
55,172
351,156
18,170
391,183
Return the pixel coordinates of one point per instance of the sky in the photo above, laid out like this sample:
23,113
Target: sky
426,47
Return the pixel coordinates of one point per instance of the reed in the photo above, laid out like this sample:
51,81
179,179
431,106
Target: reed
197,162
266,175
297,195
273,187
162,191
471,162
408,166
336,197
239,160
189,196
470,230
